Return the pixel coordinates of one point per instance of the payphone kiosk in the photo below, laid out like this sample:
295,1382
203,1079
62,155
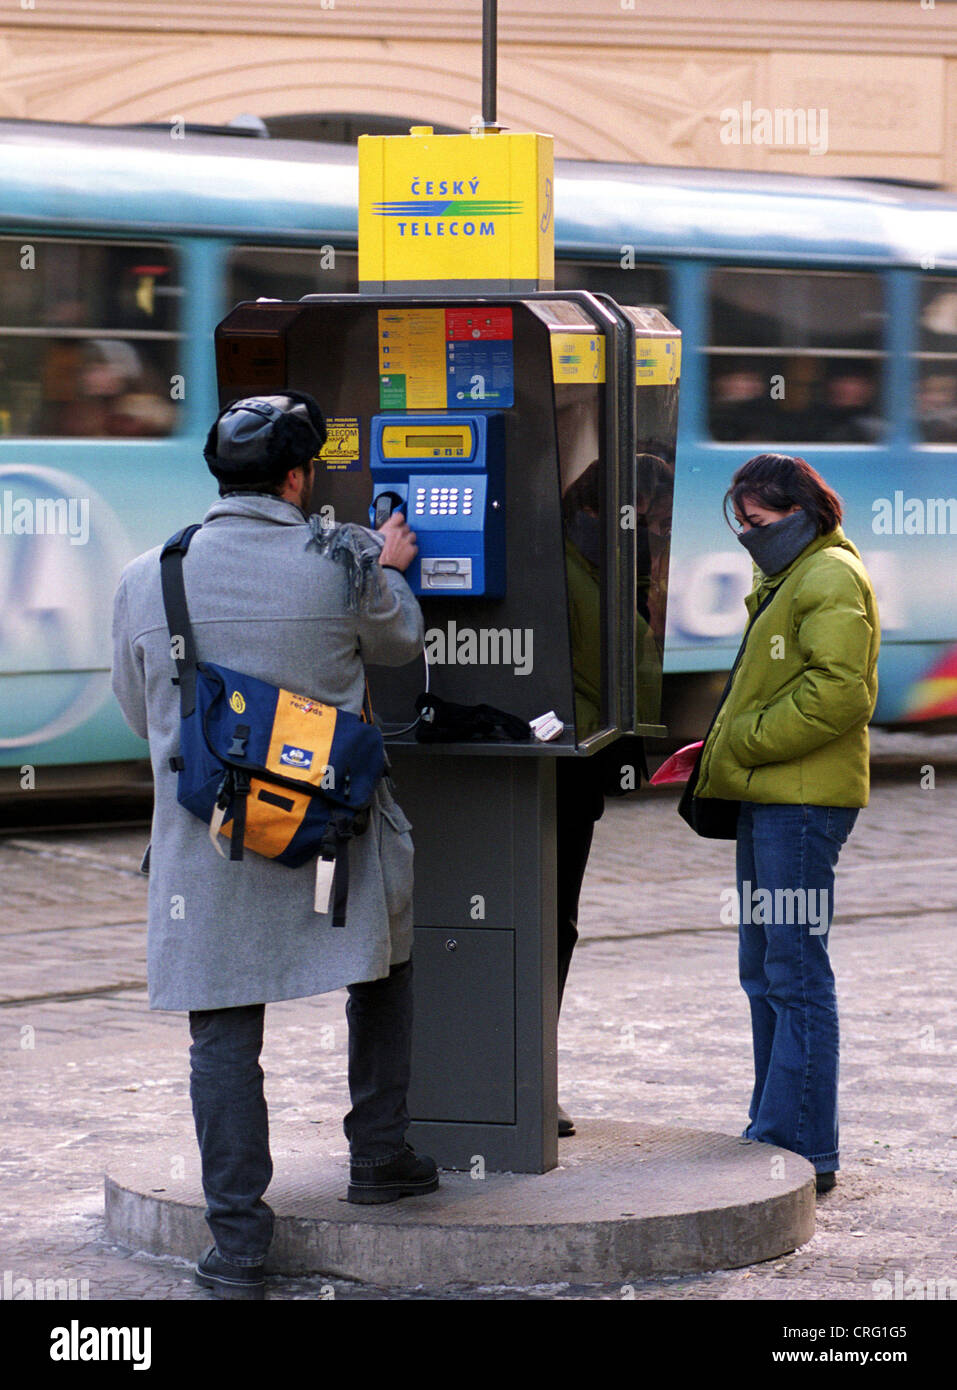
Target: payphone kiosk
530,441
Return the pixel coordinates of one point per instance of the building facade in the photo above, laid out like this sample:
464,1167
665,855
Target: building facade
851,87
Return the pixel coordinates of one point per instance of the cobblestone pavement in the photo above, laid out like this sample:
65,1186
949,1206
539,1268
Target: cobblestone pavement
654,1027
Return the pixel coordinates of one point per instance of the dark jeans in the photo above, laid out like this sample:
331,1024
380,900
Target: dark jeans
579,803
229,1107
786,856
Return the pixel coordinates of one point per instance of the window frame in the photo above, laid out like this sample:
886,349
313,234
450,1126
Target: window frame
237,248
881,356
919,355
175,254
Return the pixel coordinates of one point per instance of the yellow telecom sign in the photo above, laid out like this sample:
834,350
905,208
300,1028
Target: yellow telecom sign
440,213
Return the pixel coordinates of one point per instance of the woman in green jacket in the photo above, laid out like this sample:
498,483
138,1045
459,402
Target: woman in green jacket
790,744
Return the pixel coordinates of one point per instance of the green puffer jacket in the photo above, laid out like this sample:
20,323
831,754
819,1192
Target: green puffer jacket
793,728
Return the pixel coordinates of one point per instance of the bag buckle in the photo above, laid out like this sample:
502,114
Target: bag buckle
237,749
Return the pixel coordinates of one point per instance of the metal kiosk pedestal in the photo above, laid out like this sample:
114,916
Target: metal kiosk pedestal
484,1063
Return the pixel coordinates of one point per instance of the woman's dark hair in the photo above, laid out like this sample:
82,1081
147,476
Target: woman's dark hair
583,494
780,482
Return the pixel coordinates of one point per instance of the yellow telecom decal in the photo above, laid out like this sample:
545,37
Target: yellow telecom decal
456,208
340,452
578,357
657,361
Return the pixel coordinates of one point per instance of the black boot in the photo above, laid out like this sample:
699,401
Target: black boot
409,1175
228,1280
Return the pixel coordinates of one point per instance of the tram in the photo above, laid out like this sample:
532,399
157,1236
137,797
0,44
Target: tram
819,317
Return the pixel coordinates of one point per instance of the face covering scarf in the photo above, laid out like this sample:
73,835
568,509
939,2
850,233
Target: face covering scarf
772,548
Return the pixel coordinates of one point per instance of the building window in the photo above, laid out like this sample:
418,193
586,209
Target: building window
89,338
796,356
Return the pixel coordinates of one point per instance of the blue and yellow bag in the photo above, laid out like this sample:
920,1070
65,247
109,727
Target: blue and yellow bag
275,772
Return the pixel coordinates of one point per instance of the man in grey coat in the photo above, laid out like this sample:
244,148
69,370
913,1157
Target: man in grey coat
275,596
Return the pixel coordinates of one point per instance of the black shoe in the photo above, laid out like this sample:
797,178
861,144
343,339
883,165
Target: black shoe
227,1280
566,1125
409,1175
825,1181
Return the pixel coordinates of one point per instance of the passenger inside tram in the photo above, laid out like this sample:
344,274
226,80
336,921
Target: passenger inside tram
937,407
849,413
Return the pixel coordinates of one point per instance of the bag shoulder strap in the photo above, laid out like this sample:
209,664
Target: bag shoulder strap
737,660
744,640
177,615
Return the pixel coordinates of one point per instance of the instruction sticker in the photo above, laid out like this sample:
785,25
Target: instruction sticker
340,453
480,360
412,359
445,359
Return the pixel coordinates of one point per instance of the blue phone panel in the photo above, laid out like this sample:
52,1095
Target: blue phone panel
447,473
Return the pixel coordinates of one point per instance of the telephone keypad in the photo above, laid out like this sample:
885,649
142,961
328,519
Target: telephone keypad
435,498
444,501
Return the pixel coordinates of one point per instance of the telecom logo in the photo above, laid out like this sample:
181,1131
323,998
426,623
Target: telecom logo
450,207
447,216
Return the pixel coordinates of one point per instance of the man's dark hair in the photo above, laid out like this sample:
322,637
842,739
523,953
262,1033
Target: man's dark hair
780,482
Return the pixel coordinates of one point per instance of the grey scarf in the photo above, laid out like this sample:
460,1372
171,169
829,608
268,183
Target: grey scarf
352,546
772,548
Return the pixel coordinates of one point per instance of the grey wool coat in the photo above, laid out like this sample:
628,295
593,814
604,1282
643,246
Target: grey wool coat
263,602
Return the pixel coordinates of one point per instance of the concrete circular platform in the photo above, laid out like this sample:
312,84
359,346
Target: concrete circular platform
627,1200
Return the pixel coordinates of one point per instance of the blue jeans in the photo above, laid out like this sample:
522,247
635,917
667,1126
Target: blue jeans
229,1107
785,867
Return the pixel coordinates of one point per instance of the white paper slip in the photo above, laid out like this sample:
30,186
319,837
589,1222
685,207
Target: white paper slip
547,726
325,872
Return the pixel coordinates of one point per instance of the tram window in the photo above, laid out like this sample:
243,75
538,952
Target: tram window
270,272
644,284
936,403
796,356
88,338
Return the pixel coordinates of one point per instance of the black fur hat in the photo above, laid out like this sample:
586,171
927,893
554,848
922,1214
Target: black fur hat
255,441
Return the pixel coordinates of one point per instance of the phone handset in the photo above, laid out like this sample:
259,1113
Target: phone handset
384,505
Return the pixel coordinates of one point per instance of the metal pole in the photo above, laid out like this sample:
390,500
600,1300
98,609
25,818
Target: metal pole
489,61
